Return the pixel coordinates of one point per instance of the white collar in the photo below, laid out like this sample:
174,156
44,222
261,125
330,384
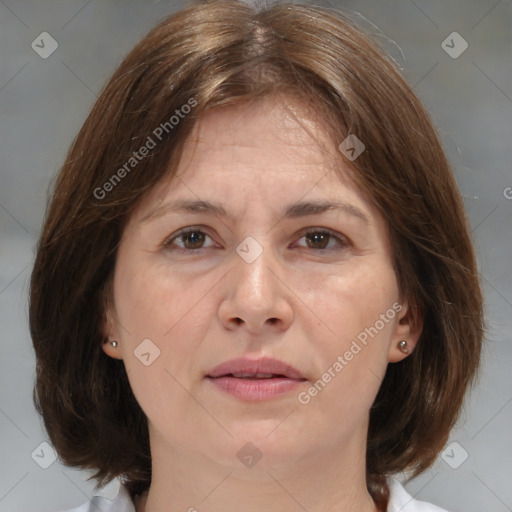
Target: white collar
400,501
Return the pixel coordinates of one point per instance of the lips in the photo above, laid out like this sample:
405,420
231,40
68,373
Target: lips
255,379
264,368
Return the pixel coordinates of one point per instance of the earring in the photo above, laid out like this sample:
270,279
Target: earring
113,343
402,346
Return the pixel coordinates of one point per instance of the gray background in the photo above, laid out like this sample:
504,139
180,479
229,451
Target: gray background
43,102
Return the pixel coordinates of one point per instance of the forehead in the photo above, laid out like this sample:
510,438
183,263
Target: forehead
272,128
275,148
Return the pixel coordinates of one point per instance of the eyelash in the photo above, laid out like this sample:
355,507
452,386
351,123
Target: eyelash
342,241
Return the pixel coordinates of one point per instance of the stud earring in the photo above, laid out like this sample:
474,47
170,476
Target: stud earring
402,346
113,343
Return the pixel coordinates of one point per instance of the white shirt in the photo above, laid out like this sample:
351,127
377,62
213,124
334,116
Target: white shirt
400,501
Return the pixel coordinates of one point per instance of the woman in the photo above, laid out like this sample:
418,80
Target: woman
246,293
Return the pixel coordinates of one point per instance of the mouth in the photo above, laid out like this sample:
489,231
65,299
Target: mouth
263,368
254,376
260,379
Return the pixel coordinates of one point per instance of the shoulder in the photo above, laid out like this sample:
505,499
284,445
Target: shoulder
401,501
121,502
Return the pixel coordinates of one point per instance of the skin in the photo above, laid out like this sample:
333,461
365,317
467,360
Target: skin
295,302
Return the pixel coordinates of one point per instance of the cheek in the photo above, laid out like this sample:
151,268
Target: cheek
171,314
356,326
352,298
150,303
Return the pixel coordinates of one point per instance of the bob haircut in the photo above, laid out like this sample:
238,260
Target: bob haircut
221,53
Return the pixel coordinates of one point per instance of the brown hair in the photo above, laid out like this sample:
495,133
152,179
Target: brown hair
219,53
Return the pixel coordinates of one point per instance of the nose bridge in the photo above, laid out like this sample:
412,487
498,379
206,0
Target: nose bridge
254,295
253,272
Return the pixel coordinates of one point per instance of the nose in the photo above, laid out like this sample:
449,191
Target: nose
255,297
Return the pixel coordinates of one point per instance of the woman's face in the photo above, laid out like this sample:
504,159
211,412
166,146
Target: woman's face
271,275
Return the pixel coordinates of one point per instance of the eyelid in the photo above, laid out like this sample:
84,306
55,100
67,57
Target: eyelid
342,240
184,231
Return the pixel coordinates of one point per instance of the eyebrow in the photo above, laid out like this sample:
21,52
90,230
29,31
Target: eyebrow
293,211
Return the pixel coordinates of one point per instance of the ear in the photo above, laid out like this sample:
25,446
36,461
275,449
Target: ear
110,333
408,327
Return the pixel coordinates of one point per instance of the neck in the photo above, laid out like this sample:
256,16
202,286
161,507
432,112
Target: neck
328,481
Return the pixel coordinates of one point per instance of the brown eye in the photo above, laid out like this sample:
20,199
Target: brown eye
193,239
322,239
317,240
188,239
